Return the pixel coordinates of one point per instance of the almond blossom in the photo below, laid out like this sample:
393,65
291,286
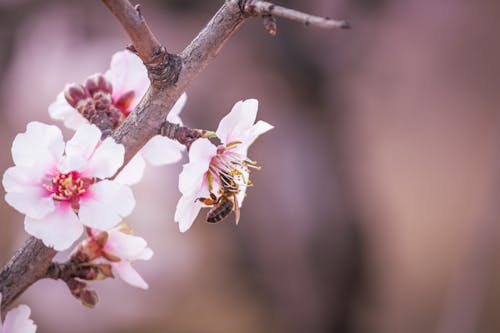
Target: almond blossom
120,248
106,100
214,170
61,188
17,320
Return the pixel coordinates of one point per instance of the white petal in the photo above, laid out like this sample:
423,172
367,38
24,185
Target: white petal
59,229
107,159
25,194
173,115
146,254
128,73
84,141
132,173
160,150
128,274
107,203
18,321
258,129
41,145
125,246
186,211
238,122
193,172
61,110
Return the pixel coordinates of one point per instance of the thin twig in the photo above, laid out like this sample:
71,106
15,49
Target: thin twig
264,8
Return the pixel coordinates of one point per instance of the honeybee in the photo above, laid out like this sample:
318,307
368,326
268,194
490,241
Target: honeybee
223,205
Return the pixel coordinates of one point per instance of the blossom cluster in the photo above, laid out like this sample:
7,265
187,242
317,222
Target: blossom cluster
66,188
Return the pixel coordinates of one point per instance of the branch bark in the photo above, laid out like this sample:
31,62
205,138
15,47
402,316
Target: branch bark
170,75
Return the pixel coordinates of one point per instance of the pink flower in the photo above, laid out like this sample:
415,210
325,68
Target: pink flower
220,169
17,320
62,187
121,248
106,100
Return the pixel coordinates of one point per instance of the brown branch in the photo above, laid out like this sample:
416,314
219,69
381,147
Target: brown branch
170,75
265,9
144,42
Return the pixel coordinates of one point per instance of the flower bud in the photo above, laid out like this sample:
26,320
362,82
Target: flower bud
74,93
98,83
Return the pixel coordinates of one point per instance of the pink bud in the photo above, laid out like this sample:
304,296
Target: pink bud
74,93
98,83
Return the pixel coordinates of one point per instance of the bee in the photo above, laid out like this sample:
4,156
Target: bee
222,206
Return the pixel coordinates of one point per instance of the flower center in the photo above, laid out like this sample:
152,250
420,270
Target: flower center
230,169
69,187
94,102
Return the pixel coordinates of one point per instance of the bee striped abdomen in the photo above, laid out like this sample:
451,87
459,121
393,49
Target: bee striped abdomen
220,211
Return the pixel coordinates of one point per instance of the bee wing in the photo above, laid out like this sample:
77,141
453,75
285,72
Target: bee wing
236,210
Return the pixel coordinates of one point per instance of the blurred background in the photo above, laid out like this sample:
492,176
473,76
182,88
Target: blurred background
376,209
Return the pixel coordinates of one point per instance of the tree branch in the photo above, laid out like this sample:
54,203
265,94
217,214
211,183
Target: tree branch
264,8
170,75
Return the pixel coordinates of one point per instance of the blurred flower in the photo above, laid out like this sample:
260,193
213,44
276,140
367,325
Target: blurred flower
120,248
59,187
217,169
106,100
17,320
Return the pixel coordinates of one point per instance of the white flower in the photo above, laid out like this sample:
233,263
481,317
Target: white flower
106,100
62,187
17,320
217,169
121,249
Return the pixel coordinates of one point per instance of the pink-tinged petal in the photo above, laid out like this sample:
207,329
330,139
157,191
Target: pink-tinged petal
106,160
125,246
40,146
84,141
258,129
61,110
146,254
128,274
132,173
173,115
107,204
186,211
17,321
25,195
72,163
193,172
238,122
59,229
160,150
128,73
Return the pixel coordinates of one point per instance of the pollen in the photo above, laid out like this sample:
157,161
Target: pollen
68,187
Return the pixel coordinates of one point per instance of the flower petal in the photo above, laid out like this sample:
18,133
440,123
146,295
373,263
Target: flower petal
128,73
238,122
61,110
186,211
106,160
132,173
41,146
173,115
160,150
83,142
125,246
193,172
258,129
60,229
18,321
26,194
107,204
128,274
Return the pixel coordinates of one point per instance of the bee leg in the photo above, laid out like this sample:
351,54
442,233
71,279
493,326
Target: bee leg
205,201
